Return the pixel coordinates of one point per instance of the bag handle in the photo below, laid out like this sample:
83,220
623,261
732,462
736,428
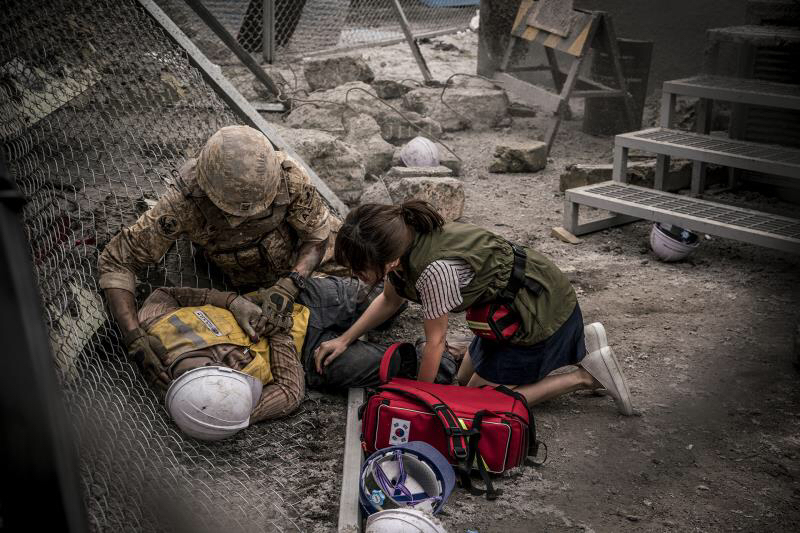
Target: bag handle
386,362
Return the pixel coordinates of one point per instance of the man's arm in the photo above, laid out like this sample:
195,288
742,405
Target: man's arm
134,248
309,257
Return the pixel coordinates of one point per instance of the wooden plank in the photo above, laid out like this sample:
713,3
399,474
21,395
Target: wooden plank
530,94
584,196
238,103
597,94
564,236
349,513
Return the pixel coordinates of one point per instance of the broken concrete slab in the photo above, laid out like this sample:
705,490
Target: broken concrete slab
445,194
325,111
475,108
528,156
639,173
419,172
389,89
396,129
376,193
338,164
364,134
334,71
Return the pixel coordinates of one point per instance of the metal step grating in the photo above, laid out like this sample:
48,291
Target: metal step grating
741,84
732,216
720,145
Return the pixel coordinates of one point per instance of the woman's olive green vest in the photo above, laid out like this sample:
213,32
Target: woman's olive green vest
491,257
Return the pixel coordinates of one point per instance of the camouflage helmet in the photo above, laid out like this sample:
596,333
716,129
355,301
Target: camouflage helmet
239,171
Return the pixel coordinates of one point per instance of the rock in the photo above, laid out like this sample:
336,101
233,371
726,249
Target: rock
477,108
639,173
326,110
445,194
519,157
364,134
450,161
376,193
335,71
396,129
337,163
389,89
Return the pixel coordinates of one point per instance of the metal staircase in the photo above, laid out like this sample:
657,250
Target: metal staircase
628,202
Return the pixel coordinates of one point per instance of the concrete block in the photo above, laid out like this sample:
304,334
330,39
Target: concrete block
475,108
389,89
445,194
519,157
376,193
639,173
419,172
334,71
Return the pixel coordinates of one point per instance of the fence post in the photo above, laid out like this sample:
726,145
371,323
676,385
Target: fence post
412,42
268,31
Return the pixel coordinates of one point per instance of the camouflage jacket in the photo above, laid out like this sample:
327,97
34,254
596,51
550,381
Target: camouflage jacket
255,252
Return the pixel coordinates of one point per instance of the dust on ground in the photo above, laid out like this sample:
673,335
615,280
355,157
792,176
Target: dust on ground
706,346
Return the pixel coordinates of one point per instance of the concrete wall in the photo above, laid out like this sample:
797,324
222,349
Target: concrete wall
676,27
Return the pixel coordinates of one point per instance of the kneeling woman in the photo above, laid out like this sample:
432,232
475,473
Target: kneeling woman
520,305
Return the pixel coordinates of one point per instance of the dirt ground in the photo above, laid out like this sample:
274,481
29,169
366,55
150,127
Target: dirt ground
706,346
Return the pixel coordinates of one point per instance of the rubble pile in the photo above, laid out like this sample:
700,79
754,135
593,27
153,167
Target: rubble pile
349,128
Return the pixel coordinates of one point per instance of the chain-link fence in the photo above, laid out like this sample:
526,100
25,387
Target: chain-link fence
309,27
97,107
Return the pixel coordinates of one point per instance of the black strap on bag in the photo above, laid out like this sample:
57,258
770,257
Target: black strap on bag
517,279
533,443
474,456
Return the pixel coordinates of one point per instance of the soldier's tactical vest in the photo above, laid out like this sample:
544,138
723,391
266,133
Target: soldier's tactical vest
491,258
189,329
254,252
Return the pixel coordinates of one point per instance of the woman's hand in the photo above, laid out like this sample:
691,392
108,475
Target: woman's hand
328,351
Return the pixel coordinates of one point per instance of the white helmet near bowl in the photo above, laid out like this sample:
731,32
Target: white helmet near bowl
672,243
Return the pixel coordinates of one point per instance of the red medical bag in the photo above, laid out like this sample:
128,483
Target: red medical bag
487,428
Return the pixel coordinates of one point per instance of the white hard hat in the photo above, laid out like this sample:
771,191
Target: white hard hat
671,243
212,402
403,521
420,152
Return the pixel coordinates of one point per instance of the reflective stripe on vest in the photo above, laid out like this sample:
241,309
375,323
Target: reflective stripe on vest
194,328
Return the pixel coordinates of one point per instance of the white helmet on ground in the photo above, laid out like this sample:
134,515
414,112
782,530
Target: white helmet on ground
420,152
403,521
212,402
671,243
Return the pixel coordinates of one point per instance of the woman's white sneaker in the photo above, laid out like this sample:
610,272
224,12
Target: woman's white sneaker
601,363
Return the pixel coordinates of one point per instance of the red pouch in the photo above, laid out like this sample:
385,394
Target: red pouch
494,321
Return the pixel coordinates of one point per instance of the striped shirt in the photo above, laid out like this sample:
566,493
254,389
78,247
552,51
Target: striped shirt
439,286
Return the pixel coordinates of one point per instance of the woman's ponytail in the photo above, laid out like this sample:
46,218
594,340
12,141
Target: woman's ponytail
421,216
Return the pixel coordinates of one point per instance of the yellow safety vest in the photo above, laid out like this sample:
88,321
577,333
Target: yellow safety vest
193,328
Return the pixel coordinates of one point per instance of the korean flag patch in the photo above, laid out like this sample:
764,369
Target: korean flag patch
399,431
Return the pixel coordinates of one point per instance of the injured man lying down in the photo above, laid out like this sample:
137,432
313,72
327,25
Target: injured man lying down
219,379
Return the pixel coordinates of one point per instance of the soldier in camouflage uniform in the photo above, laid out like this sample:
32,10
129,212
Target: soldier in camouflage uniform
256,216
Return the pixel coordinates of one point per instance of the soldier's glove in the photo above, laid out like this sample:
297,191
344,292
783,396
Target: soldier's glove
276,307
146,351
247,314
